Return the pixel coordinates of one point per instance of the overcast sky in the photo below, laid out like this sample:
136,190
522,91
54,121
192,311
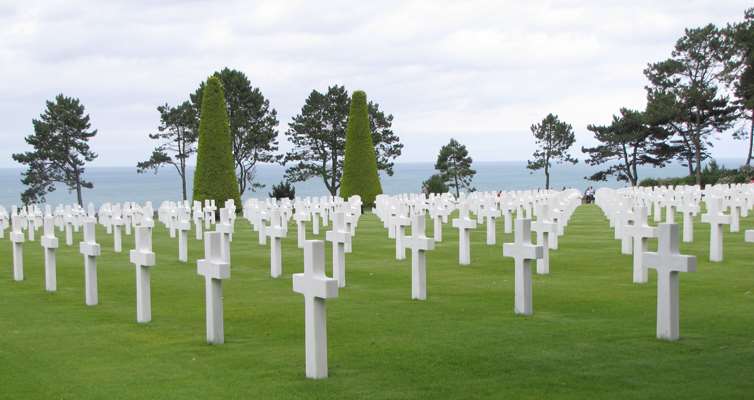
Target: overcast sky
479,71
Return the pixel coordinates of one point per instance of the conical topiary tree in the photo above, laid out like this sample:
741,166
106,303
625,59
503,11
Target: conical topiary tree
360,165
215,176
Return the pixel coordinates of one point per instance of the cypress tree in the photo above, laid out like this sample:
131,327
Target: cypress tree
215,176
360,165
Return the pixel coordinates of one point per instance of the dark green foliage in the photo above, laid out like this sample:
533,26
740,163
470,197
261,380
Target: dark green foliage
60,145
318,136
454,165
283,190
177,133
435,184
712,174
683,95
215,178
253,125
629,141
553,138
740,73
360,175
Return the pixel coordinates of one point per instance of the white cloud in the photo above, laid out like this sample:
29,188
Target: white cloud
480,71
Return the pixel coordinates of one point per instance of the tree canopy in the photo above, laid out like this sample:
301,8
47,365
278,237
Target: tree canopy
214,178
252,123
318,136
628,142
553,138
60,150
360,175
177,135
454,165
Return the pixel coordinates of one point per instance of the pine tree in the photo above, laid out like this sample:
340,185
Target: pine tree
215,176
61,149
554,137
454,164
360,165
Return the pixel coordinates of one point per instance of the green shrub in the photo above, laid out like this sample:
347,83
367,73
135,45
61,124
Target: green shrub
435,184
215,175
360,165
283,190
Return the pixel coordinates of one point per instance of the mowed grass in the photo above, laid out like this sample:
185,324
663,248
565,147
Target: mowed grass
592,334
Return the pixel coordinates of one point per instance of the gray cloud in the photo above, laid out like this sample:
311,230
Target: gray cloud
480,71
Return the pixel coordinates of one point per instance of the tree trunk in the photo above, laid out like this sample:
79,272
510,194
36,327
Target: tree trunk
698,157
547,178
78,188
751,140
183,182
455,178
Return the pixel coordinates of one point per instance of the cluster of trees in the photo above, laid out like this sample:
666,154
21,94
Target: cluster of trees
705,88
318,136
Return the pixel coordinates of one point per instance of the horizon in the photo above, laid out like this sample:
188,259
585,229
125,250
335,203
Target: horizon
481,71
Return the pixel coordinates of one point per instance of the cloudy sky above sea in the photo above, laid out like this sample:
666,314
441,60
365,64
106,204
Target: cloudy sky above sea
479,71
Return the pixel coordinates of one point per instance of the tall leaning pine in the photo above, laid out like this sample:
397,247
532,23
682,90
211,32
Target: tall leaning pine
360,165
215,177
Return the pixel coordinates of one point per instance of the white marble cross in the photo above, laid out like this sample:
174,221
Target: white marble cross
544,227
716,218
17,238
143,259
117,223
316,288
523,251
50,245
400,223
301,217
214,267
668,262
464,224
183,226
419,244
276,232
689,209
225,228
338,236
641,232
68,220
491,213
90,250
749,235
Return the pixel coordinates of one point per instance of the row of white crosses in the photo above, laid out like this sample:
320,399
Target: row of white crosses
402,211
628,209
724,204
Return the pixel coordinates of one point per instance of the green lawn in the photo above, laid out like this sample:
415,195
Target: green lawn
592,334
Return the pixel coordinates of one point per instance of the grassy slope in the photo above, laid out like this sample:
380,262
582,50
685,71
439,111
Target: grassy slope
592,334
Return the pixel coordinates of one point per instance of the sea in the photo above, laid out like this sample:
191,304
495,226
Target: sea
119,184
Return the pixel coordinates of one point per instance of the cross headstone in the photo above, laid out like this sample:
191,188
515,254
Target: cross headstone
338,236
301,217
749,236
143,259
419,244
491,213
214,267
668,262
17,238
464,224
117,223
400,222
276,232
716,218
689,209
522,251
50,245
225,229
641,232
316,288
90,250
183,226
544,227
